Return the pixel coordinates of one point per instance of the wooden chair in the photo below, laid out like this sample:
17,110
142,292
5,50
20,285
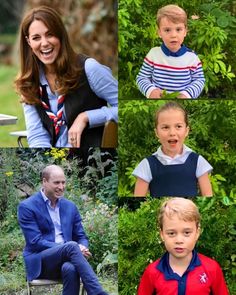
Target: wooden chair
48,283
110,135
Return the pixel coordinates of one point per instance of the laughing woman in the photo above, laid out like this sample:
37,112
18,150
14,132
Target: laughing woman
67,97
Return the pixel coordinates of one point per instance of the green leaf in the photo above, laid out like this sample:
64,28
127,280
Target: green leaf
216,68
226,201
223,21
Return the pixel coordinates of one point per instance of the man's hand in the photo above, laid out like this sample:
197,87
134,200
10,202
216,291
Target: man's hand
76,129
85,251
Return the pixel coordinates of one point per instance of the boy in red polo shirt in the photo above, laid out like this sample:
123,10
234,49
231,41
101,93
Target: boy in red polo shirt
181,270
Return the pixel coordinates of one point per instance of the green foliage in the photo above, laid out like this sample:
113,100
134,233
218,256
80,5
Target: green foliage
11,249
209,39
107,188
8,39
83,177
100,223
220,212
100,178
212,135
211,34
9,105
11,259
109,260
8,197
140,244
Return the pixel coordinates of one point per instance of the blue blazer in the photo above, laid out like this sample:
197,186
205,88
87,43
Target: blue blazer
39,233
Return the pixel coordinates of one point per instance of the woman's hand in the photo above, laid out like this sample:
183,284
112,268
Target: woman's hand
76,129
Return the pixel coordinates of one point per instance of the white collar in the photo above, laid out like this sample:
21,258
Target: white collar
179,158
46,199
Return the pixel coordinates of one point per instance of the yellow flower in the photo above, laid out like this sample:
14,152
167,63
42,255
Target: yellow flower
10,173
58,153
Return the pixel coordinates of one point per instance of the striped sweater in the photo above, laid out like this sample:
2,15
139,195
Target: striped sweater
171,71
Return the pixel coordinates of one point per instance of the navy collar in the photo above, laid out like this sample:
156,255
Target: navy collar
183,49
165,268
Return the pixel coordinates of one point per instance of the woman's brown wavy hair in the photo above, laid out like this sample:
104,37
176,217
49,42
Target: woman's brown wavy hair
66,64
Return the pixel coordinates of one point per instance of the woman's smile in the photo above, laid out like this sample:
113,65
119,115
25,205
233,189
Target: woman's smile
43,43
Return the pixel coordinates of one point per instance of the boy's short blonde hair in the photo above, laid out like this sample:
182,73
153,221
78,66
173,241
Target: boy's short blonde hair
185,209
173,12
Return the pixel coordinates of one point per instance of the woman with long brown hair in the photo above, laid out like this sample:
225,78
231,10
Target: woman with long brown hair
65,95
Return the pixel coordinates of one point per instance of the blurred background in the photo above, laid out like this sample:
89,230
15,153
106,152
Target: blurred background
92,27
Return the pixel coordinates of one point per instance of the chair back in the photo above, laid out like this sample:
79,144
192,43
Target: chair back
110,135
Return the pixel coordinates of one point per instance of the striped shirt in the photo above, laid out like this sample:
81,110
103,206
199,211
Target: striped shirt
179,71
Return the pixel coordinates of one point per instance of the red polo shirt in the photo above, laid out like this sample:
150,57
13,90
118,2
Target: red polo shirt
202,277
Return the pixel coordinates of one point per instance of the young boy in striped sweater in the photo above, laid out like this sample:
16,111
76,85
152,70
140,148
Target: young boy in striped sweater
172,66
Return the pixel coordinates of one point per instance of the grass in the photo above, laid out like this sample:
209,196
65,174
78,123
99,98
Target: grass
10,105
14,283
109,286
8,39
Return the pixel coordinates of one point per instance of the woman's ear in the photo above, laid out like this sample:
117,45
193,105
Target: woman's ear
27,40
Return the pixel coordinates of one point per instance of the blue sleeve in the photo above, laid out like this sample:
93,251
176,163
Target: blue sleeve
105,86
31,231
78,231
196,86
37,135
144,78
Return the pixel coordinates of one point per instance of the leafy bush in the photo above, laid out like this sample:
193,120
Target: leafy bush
107,188
212,135
100,224
211,34
140,243
11,259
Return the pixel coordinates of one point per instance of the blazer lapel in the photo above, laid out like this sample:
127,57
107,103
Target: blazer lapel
44,211
63,218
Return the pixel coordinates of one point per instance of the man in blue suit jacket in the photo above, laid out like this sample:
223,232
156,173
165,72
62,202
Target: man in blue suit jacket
56,244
